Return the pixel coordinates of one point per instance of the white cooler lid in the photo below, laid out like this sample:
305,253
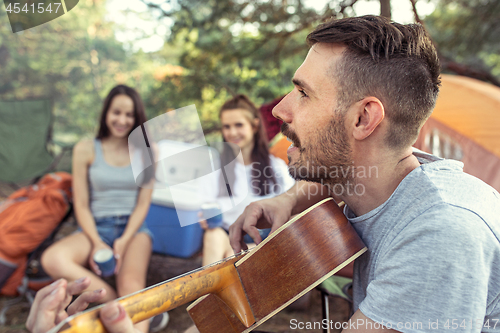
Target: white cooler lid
180,185
178,197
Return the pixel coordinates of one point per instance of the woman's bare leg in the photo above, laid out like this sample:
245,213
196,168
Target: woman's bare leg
68,259
215,246
134,269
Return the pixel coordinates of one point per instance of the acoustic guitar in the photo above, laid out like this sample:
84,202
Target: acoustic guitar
245,290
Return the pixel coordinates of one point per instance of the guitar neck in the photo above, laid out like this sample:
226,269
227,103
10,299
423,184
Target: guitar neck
161,297
294,259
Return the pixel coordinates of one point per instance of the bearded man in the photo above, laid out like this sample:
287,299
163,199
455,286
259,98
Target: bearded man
359,100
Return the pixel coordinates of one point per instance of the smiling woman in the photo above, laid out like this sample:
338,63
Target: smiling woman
257,175
109,206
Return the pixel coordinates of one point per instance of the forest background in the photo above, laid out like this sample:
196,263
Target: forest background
212,49
209,50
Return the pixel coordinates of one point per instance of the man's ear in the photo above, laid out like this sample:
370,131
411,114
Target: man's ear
370,113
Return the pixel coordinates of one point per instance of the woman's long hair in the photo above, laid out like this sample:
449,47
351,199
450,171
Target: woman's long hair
262,182
139,114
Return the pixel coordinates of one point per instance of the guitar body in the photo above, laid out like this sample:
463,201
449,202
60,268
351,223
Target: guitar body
242,292
303,253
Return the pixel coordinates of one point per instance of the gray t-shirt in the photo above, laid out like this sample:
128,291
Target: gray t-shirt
433,259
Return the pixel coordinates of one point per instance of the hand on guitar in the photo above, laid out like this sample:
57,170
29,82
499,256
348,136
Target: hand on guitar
261,214
274,212
49,307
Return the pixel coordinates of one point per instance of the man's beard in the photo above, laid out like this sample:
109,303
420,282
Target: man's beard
327,158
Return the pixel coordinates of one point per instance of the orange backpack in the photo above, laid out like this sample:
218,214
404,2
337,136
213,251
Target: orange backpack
27,218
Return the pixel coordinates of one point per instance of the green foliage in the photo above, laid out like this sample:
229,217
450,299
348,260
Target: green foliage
234,46
216,48
468,31
74,59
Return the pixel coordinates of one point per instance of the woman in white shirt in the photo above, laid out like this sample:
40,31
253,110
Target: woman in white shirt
260,176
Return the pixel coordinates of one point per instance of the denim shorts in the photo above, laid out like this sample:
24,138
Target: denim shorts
263,234
110,228
247,239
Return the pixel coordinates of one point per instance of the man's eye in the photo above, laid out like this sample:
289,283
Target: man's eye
303,93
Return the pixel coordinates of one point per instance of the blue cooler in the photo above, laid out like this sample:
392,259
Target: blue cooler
163,221
175,201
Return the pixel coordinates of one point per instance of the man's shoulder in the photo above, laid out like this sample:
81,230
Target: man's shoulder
440,181
455,197
439,200
445,218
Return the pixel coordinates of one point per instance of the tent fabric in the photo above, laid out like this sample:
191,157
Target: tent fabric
472,108
271,124
279,146
477,160
465,125
24,132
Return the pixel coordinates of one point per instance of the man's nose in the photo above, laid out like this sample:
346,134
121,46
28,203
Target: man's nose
283,111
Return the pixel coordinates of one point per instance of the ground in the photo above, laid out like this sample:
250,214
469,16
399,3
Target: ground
162,267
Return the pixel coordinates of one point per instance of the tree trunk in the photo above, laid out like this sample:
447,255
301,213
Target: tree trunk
385,8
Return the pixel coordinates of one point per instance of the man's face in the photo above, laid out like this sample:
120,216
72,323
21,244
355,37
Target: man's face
314,122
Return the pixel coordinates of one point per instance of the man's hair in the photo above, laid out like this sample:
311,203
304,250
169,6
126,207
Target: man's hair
396,63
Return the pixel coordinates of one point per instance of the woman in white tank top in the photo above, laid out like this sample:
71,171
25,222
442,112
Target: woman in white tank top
260,175
110,208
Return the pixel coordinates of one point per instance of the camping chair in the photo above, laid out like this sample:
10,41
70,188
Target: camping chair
334,286
26,148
